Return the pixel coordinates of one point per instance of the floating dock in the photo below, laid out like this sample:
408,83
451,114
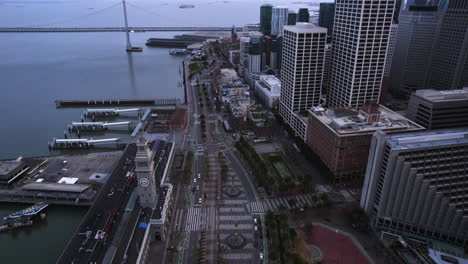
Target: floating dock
97,126
80,143
28,212
109,112
116,102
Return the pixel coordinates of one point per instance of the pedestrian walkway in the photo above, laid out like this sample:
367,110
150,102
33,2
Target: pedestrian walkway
297,201
199,218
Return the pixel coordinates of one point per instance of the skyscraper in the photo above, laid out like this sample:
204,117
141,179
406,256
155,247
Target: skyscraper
449,63
391,49
279,18
292,18
265,18
303,58
416,183
360,38
413,46
303,15
326,17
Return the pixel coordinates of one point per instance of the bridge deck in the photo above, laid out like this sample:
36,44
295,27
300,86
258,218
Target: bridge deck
110,29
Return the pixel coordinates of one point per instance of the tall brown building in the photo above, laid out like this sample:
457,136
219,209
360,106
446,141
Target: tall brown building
341,137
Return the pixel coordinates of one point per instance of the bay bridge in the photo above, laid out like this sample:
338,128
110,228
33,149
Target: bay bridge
59,26
110,29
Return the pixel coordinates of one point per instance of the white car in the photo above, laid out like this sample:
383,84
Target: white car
199,175
199,200
195,180
198,188
261,256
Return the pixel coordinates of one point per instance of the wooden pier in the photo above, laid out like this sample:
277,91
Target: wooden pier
116,102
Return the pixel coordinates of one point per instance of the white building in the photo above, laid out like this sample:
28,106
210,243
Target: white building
279,18
254,63
302,70
391,48
268,88
361,33
228,75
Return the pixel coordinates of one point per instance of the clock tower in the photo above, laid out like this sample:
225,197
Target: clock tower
144,169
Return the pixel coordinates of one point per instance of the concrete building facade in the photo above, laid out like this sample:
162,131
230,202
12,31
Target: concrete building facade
416,183
360,39
435,109
268,88
341,137
303,58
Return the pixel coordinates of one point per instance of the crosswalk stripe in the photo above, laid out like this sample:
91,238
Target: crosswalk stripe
271,205
302,200
309,201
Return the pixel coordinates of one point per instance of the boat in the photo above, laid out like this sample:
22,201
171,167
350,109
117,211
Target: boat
178,51
28,212
187,6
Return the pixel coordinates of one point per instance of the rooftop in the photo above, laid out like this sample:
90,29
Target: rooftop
443,96
349,122
429,138
302,27
8,166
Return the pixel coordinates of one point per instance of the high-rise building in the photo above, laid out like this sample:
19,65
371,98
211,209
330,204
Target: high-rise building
413,46
416,183
326,68
326,17
292,18
391,48
265,18
244,44
360,38
303,15
303,58
435,109
449,62
279,18
396,13
254,56
269,46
